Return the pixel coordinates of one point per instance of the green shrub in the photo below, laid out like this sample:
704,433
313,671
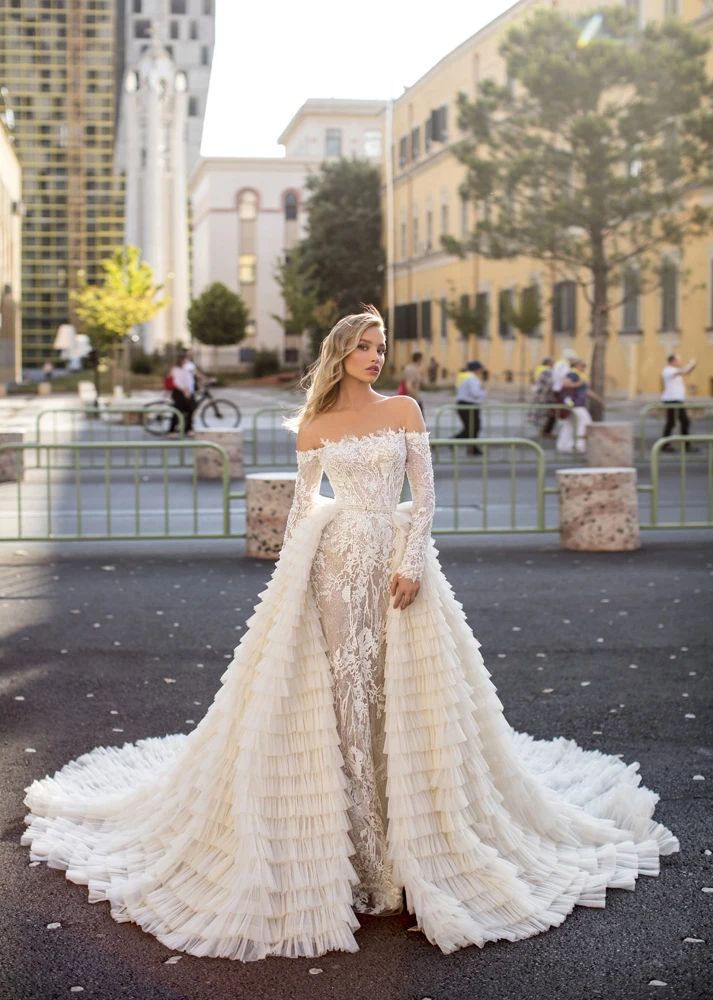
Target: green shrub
265,363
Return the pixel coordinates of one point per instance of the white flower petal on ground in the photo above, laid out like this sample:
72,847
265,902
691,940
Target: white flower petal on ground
159,612
173,960
96,625
76,989
689,715
547,690
19,697
116,643
30,750
542,656
90,695
694,941
656,982
633,666
316,972
34,864
75,611
596,732
707,888
113,711
54,926
684,649
108,569
699,777
117,730
516,628
169,680
584,684
501,656
600,640
21,552
190,722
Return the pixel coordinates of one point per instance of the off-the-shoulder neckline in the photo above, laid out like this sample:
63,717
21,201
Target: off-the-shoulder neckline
359,437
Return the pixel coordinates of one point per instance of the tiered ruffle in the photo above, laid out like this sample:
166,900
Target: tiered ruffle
234,841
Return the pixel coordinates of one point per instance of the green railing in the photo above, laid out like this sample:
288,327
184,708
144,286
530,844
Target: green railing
679,443
122,497
658,410
493,499
500,420
99,430
281,449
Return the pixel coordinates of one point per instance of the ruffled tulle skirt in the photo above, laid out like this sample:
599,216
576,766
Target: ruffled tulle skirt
233,841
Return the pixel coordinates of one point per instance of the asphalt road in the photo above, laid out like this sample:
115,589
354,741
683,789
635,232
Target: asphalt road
113,622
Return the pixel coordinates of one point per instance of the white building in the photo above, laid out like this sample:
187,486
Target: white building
186,29
156,209
11,212
246,212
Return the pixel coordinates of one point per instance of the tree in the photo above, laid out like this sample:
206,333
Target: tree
342,251
468,319
590,159
126,297
526,318
218,317
300,299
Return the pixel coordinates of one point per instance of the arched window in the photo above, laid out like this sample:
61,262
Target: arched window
290,206
247,206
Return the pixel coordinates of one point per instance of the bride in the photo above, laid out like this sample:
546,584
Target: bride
357,748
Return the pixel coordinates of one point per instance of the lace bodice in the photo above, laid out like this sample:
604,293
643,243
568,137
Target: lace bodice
367,473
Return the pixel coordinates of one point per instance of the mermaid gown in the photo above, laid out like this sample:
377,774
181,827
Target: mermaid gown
353,751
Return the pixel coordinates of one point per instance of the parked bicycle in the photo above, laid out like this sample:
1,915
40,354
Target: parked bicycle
213,413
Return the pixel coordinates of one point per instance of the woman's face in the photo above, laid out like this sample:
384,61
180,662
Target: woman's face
367,359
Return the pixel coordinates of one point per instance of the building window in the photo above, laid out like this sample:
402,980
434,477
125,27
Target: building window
482,310
464,217
404,247
564,307
207,6
194,31
204,55
444,318
669,297
178,6
414,244
247,269
429,229
444,220
504,307
438,124
403,151
290,206
426,319
333,142
136,7
415,142
192,106
630,308
174,31
406,321
372,143
142,29
292,355
428,134
247,353
247,206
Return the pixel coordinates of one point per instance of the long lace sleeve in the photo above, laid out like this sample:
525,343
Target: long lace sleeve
419,470
309,478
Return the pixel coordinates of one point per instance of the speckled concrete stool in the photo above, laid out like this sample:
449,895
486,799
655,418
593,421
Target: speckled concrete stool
209,462
268,498
11,465
599,510
44,388
610,446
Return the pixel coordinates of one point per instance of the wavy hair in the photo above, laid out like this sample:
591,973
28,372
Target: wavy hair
322,378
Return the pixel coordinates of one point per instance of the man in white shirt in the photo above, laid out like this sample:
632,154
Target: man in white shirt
182,395
674,395
471,393
562,368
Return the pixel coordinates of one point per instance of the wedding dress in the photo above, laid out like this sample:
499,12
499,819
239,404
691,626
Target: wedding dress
352,751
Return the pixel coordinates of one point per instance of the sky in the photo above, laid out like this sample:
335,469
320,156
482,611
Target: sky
271,55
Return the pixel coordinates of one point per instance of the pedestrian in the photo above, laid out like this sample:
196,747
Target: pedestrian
542,393
471,393
674,396
181,382
47,370
412,378
575,396
433,371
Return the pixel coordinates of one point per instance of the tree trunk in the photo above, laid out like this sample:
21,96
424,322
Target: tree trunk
600,329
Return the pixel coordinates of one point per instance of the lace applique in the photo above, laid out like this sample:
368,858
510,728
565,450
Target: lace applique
419,469
351,577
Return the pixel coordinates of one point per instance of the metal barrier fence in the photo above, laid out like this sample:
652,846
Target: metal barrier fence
47,501
503,420
699,410
677,494
98,429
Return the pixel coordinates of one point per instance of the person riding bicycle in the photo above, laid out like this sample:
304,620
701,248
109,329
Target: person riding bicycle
182,395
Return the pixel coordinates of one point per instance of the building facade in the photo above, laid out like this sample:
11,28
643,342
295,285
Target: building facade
57,62
11,210
186,29
247,212
425,279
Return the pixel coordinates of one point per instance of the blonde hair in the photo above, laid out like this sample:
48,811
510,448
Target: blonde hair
322,378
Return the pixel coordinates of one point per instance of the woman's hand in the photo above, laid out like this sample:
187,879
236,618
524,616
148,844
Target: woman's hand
404,591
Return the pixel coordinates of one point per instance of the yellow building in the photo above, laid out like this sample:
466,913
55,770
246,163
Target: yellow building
11,209
423,278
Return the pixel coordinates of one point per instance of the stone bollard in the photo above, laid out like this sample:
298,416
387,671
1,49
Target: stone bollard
44,388
209,462
599,510
268,498
11,464
610,446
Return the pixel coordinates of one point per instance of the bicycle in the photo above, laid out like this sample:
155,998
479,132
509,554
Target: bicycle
217,414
